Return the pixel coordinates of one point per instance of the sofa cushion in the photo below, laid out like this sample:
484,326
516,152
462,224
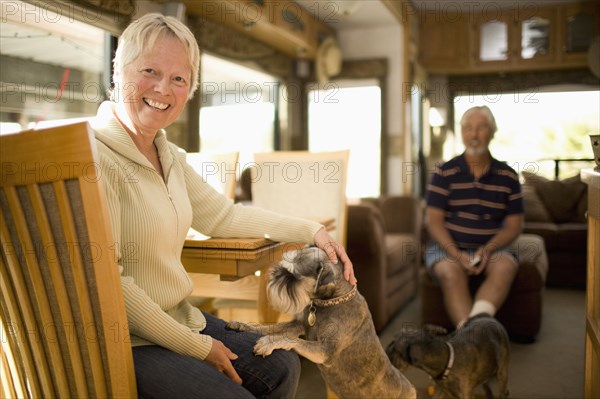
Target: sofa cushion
548,231
560,236
535,210
560,197
572,237
401,251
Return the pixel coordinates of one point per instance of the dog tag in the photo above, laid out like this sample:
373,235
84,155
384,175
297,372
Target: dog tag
312,316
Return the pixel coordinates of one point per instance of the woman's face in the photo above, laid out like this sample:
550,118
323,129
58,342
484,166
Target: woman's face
476,134
153,89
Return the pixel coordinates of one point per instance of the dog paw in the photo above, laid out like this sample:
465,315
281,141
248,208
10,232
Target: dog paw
267,344
264,346
238,326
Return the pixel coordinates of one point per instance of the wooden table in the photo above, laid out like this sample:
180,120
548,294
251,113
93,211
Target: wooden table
592,323
234,268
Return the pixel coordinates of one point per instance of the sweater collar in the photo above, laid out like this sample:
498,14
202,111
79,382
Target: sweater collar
110,132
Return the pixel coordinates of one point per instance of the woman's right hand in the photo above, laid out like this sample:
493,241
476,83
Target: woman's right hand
220,357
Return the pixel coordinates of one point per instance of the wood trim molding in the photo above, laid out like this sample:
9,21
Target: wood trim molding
364,69
110,15
236,46
515,82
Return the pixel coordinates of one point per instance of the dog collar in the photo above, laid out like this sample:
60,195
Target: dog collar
323,303
450,363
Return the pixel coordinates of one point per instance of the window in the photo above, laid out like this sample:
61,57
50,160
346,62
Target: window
55,72
537,128
238,108
347,115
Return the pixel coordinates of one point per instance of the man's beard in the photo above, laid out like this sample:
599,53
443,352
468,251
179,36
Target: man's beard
476,151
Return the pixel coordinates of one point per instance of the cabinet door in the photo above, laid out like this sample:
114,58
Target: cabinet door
493,39
444,43
578,25
536,37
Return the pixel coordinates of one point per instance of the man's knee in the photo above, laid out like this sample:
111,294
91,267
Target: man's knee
502,267
449,272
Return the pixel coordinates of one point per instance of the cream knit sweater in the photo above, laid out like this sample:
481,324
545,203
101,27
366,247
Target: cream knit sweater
150,220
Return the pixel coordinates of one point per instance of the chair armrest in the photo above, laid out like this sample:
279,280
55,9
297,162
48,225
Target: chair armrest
530,248
401,214
366,234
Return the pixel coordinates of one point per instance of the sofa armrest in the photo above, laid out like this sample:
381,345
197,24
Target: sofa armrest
530,248
401,214
365,234
367,251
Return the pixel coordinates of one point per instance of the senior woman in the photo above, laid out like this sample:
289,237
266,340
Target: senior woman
154,197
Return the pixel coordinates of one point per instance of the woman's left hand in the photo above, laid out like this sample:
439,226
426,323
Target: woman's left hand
335,250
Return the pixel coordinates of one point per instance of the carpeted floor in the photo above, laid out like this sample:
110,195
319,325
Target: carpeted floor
550,368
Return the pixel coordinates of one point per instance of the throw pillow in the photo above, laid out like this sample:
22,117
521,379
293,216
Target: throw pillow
559,196
535,210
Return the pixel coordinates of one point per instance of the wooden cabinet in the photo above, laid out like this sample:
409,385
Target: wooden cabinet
578,25
536,37
492,38
522,38
444,44
592,322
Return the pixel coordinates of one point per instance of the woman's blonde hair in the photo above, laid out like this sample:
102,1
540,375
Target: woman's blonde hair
142,33
485,111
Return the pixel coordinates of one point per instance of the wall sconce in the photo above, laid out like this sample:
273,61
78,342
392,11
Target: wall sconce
436,121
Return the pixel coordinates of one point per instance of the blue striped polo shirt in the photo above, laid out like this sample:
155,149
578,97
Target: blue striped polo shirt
475,208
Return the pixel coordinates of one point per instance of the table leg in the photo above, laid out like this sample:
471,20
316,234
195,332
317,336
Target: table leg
266,313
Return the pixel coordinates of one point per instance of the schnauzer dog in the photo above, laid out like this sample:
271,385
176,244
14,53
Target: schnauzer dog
459,362
336,326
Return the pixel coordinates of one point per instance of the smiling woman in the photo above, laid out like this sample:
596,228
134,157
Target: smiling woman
152,90
154,196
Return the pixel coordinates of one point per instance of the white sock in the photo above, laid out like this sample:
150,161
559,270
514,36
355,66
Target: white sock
482,306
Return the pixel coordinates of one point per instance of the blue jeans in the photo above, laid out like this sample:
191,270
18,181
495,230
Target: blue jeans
435,253
161,373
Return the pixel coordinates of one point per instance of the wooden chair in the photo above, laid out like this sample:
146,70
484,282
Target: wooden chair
64,326
305,184
218,170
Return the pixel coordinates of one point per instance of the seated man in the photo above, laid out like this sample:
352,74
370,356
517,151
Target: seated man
474,211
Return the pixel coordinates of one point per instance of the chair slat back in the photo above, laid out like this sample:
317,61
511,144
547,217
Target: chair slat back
61,304
217,169
305,184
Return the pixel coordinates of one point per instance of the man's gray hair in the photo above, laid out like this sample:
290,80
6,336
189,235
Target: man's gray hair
483,110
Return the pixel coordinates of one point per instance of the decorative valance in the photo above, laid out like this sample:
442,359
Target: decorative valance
233,45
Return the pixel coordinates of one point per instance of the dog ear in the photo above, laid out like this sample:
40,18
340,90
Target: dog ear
414,354
325,291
